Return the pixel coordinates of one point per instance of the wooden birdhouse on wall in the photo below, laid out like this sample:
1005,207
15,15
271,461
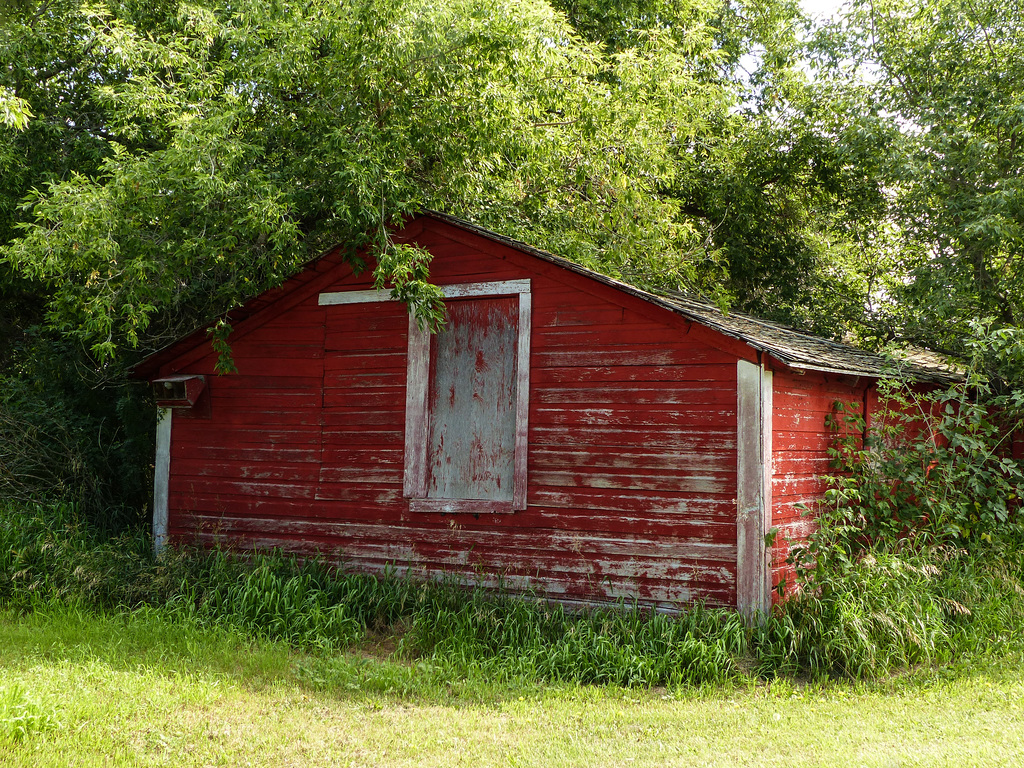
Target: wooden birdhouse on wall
178,391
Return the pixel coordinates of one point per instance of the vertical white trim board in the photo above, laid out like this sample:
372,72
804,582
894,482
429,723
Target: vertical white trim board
753,488
519,462
161,478
417,390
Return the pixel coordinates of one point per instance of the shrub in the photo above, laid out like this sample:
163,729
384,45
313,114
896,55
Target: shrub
938,465
896,608
916,556
67,432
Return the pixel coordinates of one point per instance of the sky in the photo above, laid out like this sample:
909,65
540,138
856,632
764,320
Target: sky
821,7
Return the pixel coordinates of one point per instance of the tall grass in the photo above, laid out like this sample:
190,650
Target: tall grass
890,610
522,637
47,555
897,608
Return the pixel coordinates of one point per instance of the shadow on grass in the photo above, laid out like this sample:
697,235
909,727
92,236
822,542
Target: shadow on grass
58,633
370,672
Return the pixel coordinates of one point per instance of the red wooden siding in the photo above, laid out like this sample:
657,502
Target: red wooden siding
800,442
631,454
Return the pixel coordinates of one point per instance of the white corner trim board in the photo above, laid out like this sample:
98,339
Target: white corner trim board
522,396
753,488
161,478
456,291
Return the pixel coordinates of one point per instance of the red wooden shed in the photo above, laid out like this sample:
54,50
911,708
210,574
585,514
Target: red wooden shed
565,432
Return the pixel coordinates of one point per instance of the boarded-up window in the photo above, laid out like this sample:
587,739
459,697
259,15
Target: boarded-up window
468,391
472,401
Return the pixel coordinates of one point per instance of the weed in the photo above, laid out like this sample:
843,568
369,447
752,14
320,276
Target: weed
21,717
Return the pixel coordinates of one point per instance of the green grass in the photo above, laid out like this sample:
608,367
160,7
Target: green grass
142,689
110,657
47,557
888,611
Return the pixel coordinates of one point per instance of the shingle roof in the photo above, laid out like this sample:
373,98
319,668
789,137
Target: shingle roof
796,349
806,351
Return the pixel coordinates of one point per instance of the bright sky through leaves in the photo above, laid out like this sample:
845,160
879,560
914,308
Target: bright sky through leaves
821,8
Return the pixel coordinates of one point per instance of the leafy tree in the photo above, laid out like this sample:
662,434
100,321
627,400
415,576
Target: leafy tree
778,188
948,75
229,143
161,161
179,157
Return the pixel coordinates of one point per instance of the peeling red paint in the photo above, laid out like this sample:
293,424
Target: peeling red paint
631,448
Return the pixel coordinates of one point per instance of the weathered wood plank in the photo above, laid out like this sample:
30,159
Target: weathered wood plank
598,437
277,366
636,501
293,335
365,474
344,453
358,339
266,417
690,395
364,379
247,470
709,482
200,486
382,360
217,432
558,356
234,382
161,478
472,406
637,459
376,398
523,370
753,488
683,374
247,452
345,418
561,546
609,335
266,400
808,463
639,416
359,435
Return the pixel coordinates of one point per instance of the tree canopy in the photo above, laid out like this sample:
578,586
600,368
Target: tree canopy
162,161
948,77
184,156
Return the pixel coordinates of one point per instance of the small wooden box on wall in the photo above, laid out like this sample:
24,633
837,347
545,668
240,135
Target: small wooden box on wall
181,391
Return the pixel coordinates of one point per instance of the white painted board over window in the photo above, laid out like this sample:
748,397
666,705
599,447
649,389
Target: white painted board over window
472,401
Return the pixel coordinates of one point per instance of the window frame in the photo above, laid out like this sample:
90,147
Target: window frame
417,415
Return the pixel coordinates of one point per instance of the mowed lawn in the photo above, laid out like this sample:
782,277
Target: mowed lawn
76,689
